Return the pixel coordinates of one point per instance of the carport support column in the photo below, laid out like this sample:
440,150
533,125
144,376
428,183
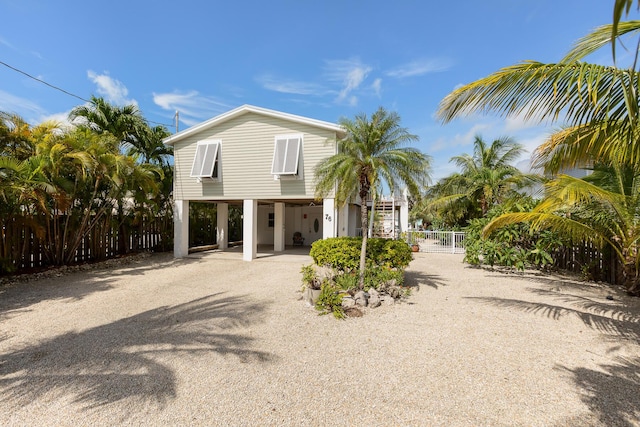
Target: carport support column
278,227
250,230
343,220
329,219
404,212
222,225
181,228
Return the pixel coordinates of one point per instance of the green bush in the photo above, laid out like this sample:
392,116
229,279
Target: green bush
376,276
330,300
340,253
347,281
514,246
343,253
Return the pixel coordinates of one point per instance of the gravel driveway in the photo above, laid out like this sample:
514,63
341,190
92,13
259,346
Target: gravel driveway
213,340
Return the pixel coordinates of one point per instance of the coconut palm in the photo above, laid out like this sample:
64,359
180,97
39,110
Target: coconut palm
372,152
147,143
598,103
486,178
603,208
100,116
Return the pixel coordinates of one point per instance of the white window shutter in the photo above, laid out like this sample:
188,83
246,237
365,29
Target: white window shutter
286,155
205,160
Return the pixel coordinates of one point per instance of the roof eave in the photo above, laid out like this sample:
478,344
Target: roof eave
244,109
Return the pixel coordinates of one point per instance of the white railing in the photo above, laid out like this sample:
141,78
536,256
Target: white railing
443,242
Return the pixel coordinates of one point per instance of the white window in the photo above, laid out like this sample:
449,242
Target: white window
286,155
206,161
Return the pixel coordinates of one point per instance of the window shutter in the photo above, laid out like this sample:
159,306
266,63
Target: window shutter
205,161
286,155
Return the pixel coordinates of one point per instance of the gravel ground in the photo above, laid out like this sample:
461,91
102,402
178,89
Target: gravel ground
213,340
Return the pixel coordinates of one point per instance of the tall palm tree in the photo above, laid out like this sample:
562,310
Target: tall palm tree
147,142
123,122
603,208
489,173
486,178
598,103
372,152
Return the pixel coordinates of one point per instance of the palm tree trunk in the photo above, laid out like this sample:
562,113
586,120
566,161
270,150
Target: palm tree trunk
363,250
630,271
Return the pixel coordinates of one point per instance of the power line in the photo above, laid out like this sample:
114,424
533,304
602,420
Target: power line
67,92
42,81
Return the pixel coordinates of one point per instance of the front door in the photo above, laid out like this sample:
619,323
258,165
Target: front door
314,228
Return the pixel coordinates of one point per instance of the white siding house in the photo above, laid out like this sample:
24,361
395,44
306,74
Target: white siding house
263,160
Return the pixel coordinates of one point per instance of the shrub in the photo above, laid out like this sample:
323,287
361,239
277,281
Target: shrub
340,253
330,300
310,277
343,253
376,277
346,281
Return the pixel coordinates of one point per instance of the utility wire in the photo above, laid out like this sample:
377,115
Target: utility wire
42,81
66,92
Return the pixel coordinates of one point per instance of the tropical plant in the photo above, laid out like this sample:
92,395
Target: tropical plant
486,179
371,152
63,184
598,104
603,208
516,246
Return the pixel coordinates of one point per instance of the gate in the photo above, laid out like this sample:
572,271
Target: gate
442,242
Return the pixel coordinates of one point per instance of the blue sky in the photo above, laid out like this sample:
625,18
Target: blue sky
321,59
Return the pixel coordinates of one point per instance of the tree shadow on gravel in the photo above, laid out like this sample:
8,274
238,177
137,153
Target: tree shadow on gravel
74,283
611,393
414,279
614,319
131,358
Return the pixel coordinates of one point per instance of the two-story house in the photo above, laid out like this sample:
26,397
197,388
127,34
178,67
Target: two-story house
263,160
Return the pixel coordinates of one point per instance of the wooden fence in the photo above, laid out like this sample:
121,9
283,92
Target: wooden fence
590,262
21,249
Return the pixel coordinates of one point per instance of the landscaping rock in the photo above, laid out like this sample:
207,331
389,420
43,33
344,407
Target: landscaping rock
394,291
348,302
361,298
374,300
387,300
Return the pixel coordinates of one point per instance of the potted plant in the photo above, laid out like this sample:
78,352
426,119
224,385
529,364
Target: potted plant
413,242
311,284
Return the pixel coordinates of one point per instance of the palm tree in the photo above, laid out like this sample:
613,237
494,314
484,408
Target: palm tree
598,103
372,152
486,178
603,208
101,116
147,142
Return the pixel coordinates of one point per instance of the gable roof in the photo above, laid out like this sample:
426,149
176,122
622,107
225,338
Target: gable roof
244,109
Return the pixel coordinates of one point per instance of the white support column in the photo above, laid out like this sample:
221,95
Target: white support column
343,221
278,227
404,212
222,225
329,218
250,230
181,228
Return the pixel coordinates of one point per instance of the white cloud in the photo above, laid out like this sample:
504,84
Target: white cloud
459,140
350,74
21,106
111,89
419,68
290,86
6,43
377,87
192,106
61,118
342,79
